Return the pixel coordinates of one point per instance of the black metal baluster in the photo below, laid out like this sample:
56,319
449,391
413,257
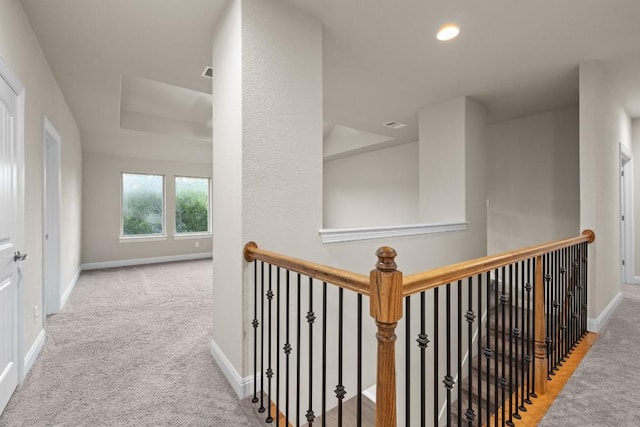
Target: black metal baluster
517,334
448,379
278,346
504,299
359,379
324,354
340,391
522,361
511,337
262,408
436,371
556,309
529,337
255,324
269,295
480,347
564,339
470,317
496,345
487,350
532,332
423,341
575,265
549,303
586,287
407,361
311,317
298,329
287,352
459,371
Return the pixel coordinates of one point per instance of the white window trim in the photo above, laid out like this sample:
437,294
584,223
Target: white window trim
338,235
144,237
185,236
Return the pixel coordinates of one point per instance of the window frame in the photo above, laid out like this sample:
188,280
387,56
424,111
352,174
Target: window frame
143,237
194,234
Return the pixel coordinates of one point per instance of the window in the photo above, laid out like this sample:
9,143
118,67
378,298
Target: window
192,205
142,204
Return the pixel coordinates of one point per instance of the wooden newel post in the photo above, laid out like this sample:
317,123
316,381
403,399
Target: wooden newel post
539,333
386,309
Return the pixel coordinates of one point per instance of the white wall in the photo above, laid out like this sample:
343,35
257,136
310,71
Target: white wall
635,134
604,124
372,189
20,49
533,180
442,162
102,201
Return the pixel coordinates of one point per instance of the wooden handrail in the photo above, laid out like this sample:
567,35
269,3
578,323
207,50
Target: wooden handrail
345,279
441,276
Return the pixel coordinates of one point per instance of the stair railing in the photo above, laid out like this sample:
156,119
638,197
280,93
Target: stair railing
490,333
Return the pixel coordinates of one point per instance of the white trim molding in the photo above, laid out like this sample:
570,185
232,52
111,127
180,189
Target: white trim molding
145,238
142,261
72,284
337,235
243,386
185,236
32,354
596,325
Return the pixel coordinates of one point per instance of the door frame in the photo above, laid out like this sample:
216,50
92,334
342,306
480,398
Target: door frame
626,216
7,75
51,217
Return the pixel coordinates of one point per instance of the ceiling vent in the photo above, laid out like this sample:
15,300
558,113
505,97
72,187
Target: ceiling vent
395,125
208,72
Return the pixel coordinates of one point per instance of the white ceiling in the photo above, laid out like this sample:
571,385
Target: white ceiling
381,59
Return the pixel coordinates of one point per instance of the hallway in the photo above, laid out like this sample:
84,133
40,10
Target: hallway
131,348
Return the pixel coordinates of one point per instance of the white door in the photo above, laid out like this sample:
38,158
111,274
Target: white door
10,223
51,237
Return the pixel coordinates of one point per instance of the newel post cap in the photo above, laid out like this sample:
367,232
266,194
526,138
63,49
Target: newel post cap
386,259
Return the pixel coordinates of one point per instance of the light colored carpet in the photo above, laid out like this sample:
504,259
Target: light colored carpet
604,390
131,348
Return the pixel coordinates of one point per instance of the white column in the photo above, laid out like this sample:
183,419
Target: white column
267,156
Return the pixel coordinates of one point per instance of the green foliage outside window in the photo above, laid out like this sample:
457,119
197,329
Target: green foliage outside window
192,205
142,204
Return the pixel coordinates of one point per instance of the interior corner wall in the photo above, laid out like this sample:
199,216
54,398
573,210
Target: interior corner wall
635,134
604,124
21,50
534,180
376,188
102,214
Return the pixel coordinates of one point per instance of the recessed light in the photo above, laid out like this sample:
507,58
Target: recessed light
448,32
394,125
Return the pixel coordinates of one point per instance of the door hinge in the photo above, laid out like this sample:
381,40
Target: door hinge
623,217
622,262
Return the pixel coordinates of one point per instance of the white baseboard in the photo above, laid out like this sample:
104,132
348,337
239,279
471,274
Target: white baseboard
72,284
32,354
636,280
595,325
141,261
370,393
242,386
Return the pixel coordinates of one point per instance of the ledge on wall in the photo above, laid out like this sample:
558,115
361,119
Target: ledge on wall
337,235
